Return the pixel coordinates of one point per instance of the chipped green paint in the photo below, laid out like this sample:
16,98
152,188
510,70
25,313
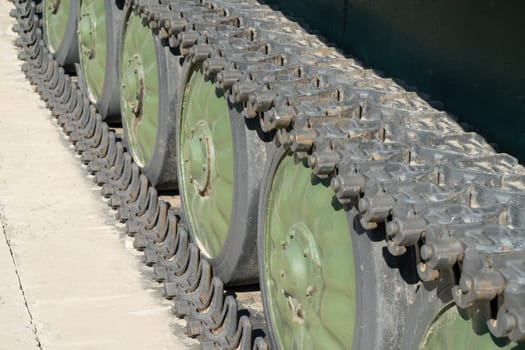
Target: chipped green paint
139,100
92,39
308,262
206,163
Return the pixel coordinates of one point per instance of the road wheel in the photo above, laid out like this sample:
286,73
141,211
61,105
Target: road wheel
221,158
439,324
99,35
325,281
60,26
149,76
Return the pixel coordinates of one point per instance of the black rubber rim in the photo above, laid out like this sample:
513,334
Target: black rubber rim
108,104
67,53
381,289
161,169
236,262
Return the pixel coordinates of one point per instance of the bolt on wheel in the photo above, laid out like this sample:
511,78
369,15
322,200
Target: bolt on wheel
59,22
149,76
307,262
219,162
206,163
325,282
139,89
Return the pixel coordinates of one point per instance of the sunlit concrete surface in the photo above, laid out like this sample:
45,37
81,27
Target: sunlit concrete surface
69,278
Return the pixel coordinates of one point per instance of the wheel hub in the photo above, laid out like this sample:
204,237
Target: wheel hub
300,276
133,86
86,32
206,163
197,155
309,278
139,88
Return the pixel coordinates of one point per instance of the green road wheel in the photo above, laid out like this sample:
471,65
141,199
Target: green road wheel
220,161
59,21
206,163
56,14
100,26
139,76
325,280
149,90
308,262
92,39
449,331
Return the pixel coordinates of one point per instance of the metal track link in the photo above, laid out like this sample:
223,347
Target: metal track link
437,190
199,297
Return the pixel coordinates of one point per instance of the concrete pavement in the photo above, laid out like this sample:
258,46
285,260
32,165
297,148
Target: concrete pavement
69,278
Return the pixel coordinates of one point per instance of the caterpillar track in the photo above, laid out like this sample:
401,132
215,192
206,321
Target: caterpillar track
435,212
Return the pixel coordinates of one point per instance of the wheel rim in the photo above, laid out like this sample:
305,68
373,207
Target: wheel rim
206,163
450,331
92,38
139,98
56,13
308,262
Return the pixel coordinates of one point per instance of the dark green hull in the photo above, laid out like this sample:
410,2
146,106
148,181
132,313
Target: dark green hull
469,56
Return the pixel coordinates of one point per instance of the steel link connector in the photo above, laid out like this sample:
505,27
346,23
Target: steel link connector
406,231
375,209
226,78
303,140
258,102
241,91
186,40
441,254
389,140
481,286
200,52
347,186
212,66
324,163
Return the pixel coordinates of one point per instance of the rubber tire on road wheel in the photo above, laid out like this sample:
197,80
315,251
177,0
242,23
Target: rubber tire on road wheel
108,104
67,53
383,285
236,263
161,168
